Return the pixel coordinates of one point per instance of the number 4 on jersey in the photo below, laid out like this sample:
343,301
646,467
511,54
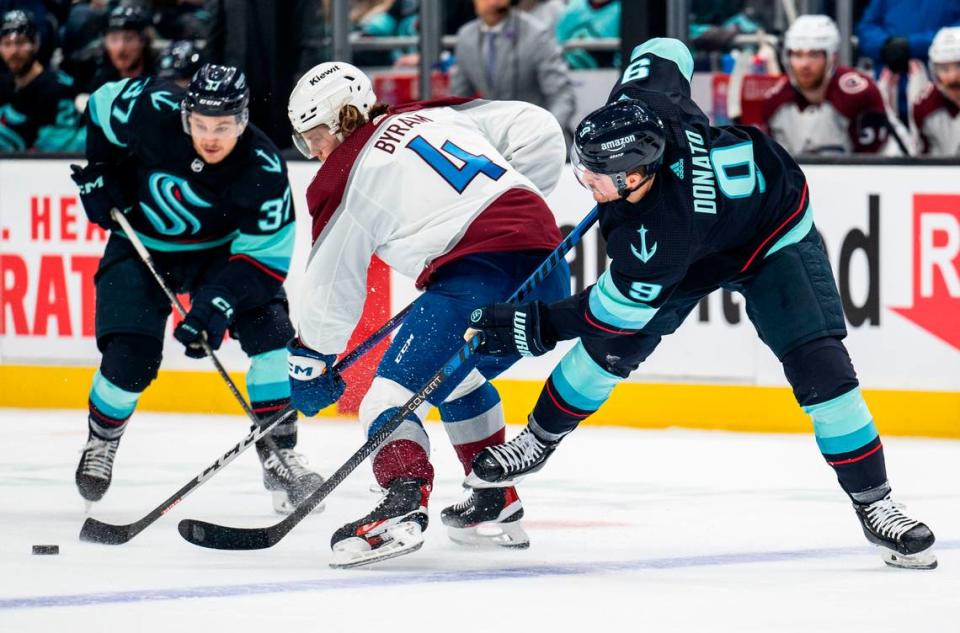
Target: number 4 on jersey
459,177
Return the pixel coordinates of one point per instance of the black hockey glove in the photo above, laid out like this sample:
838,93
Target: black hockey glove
101,190
509,329
895,54
209,317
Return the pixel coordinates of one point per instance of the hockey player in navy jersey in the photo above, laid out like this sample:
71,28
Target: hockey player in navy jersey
37,110
687,208
207,193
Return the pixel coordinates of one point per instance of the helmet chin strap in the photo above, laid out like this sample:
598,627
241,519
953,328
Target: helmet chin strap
620,180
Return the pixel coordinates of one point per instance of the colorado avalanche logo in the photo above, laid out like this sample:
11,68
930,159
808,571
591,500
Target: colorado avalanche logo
173,196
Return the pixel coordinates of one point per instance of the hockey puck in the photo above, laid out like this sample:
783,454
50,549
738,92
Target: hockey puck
46,549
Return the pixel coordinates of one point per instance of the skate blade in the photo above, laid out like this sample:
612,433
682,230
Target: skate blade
921,560
491,535
404,538
283,505
472,481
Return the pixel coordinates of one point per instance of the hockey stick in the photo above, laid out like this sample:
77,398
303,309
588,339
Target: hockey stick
111,534
223,537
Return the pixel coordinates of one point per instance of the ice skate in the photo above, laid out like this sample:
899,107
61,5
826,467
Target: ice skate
287,478
489,517
903,542
95,470
504,464
394,528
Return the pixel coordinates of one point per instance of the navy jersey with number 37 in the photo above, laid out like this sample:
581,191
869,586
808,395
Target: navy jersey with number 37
241,204
723,198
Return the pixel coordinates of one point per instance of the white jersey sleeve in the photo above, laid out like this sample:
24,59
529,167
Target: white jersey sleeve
528,136
414,188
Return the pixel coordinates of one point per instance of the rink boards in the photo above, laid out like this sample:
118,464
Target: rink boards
892,233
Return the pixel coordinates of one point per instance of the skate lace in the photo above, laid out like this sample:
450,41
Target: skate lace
98,457
296,462
888,519
520,452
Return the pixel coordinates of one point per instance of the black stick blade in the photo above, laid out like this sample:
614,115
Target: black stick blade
94,531
222,537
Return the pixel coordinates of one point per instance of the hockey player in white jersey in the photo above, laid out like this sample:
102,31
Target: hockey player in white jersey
821,107
449,193
935,115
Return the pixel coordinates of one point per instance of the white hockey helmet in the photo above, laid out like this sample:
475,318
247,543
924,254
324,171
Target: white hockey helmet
945,47
320,95
812,33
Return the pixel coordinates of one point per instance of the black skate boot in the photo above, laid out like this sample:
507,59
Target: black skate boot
488,517
95,470
903,542
287,478
504,464
394,528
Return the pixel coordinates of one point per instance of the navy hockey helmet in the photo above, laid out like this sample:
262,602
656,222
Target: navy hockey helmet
130,18
217,91
18,22
618,139
181,60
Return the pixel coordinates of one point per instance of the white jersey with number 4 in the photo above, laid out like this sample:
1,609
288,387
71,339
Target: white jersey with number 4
421,186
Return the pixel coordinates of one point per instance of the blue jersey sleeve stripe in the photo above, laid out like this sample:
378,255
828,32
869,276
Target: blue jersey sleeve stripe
795,234
100,106
670,49
273,250
581,382
840,416
611,307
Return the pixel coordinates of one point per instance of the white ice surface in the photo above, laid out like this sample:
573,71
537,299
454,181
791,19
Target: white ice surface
631,530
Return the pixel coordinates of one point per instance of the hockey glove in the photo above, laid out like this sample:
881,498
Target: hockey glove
100,192
314,383
209,318
509,329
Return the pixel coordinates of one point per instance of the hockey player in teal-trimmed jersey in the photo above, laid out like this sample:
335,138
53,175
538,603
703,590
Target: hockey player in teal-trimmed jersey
686,208
207,193
37,111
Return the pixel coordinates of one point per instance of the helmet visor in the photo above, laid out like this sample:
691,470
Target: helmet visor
601,185
301,144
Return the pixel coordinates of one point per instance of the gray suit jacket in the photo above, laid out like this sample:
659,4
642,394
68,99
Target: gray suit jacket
529,67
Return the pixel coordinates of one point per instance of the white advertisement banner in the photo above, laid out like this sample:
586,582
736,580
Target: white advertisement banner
892,233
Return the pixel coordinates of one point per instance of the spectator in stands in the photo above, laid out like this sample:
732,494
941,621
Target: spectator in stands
892,32
39,112
936,114
83,40
820,107
506,54
45,21
127,43
179,62
589,19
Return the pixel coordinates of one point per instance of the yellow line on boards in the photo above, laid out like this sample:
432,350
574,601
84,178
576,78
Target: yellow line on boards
638,405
